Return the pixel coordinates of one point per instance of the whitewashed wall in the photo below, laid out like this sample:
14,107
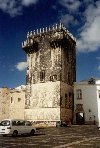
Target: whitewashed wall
98,102
90,100
44,102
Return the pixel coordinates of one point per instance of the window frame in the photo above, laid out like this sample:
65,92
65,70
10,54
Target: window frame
53,78
79,94
19,99
11,100
99,94
42,75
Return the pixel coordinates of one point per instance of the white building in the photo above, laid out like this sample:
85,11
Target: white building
87,102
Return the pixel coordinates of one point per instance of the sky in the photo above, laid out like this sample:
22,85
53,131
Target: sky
17,17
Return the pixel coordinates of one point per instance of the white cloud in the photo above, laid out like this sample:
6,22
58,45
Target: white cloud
98,67
10,7
29,2
21,66
14,7
98,58
71,5
90,35
68,19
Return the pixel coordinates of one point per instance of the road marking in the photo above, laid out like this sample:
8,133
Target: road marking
76,142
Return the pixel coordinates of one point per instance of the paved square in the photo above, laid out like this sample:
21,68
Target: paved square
83,136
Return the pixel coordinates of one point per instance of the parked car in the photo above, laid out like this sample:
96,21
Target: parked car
16,126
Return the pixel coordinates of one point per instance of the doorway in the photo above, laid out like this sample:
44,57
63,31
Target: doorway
80,118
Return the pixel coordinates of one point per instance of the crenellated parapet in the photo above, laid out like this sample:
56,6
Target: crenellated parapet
56,35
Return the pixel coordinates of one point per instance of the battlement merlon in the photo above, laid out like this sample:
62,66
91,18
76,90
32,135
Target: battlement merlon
54,32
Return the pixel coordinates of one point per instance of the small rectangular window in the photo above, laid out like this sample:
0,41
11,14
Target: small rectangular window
65,95
79,94
98,93
14,123
70,103
5,123
42,75
20,123
61,101
69,78
28,123
19,99
53,78
66,100
70,95
11,100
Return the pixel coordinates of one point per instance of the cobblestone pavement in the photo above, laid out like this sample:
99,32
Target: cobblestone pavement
83,136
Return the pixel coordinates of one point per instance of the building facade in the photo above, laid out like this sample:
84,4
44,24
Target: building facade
12,103
4,103
17,103
87,102
51,71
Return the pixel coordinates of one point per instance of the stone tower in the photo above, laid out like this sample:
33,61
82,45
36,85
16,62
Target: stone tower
51,71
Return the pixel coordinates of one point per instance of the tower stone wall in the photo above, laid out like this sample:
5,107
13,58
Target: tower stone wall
51,71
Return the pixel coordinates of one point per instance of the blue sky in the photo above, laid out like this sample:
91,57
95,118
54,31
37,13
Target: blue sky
17,17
